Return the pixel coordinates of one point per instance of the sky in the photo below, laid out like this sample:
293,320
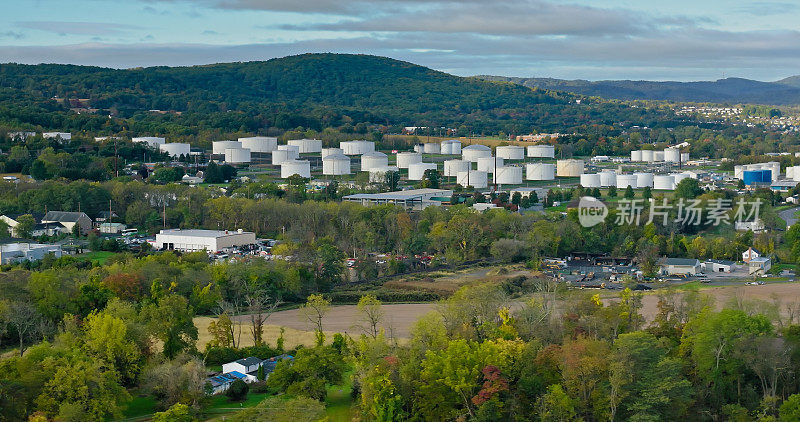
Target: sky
680,40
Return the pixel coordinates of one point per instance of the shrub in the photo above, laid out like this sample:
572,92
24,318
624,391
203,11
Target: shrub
237,391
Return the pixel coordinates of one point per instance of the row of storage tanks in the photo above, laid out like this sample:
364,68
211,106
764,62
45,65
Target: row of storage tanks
174,149
610,178
669,155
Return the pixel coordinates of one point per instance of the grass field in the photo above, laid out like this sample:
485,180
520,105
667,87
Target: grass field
100,256
339,403
293,337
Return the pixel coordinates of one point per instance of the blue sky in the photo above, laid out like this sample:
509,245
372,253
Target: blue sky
586,39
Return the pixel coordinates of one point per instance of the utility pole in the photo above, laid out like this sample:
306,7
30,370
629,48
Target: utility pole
165,213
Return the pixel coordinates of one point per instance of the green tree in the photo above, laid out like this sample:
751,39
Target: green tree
178,412
612,192
237,391
170,320
280,409
790,408
107,338
688,188
371,313
557,406
391,179
213,174
311,371
25,225
629,194
314,311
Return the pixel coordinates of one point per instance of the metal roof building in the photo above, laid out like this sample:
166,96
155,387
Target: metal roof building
413,198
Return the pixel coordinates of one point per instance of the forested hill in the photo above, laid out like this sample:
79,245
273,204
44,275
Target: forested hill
729,90
312,90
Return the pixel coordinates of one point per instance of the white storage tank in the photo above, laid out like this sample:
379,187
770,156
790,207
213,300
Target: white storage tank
259,143
219,147
488,164
307,146
292,150
644,180
406,158
636,155
474,178
790,173
451,147
373,159
357,147
775,166
625,180
453,167
237,155
541,151
608,178
648,155
416,171
677,177
431,148
684,157
508,175
591,180
279,156
175,149
658,156
569,168
335,165
331,151
152,141
378,174
540,171
473,152
672,155
291,167
418,148
664,182
511,152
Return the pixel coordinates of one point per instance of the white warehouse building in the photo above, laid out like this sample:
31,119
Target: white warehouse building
198,240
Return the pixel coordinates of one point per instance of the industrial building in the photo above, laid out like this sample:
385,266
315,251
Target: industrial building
17,252
198,240
412,199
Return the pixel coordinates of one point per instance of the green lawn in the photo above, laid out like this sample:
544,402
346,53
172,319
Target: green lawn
100,256
140,406
339,403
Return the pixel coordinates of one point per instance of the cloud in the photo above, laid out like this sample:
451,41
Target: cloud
78,28
210,32
768,8
12,34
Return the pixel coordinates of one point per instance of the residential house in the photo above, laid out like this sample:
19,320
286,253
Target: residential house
679,266
48,229
759,265
112,228
13,219
220,383
245,369
750,253
244,365
69,220
104,217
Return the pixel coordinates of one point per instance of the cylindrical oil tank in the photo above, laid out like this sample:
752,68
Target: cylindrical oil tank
418,148
279,156
219,147
608,178
406,158
644,180
790,173
775,168
474,178
416,171
153,141
677,177
432,148
625,180
451,147
488,164
541,151
590,180
473,152
378,174
648,155
663,182
672,155
331,151
373,159
335,165
292,150
259,143
796,173
237,155
508,175
291,167
511,152
540,171
684,157
636,155
307,146
658,156
175,149
453,167
569,168
357,147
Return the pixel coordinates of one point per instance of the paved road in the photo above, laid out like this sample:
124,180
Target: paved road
789,216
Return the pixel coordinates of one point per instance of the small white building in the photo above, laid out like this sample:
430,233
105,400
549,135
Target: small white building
245,365
17,252
111,228
756,226
718,266
198,240
759,265
749,254
62,136
679,266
